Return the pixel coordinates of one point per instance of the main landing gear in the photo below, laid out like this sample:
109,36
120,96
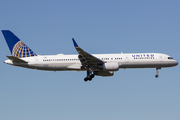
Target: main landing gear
157,71
89,76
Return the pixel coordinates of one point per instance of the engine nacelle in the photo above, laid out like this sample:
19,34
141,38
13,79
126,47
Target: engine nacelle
110,66
104,73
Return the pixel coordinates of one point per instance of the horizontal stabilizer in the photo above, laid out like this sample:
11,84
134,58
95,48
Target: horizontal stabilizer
15,59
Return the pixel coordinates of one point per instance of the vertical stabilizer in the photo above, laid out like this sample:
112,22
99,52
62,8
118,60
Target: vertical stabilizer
16,46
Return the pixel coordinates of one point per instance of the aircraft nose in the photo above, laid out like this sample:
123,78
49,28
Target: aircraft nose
176,63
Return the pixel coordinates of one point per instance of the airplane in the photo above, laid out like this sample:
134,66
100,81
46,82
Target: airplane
93,64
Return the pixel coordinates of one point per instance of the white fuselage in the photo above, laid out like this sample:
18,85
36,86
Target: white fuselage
93,64
63,62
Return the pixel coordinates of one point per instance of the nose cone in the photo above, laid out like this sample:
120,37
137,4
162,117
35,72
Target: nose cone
176,63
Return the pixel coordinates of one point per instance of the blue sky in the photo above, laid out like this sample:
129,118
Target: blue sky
100,26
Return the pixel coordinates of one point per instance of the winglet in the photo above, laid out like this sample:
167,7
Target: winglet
85,57
75,44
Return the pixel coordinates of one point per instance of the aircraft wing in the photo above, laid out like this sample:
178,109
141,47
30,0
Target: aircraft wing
86,58
15,59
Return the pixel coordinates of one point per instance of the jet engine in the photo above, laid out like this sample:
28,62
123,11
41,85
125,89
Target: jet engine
110,66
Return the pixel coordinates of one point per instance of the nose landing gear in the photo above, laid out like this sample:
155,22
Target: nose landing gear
156,75
157,71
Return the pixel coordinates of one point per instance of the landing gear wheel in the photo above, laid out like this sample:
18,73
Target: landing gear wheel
92,76
156,76
89,79
85,79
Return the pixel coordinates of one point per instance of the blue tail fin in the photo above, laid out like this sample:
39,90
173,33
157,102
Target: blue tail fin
16,46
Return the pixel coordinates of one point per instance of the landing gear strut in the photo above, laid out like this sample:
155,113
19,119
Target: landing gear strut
89,76
157,71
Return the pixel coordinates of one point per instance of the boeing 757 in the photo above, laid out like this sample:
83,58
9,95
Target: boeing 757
94,64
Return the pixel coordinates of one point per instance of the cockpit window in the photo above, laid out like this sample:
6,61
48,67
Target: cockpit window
170,58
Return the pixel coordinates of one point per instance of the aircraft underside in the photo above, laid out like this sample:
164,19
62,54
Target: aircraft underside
91,71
